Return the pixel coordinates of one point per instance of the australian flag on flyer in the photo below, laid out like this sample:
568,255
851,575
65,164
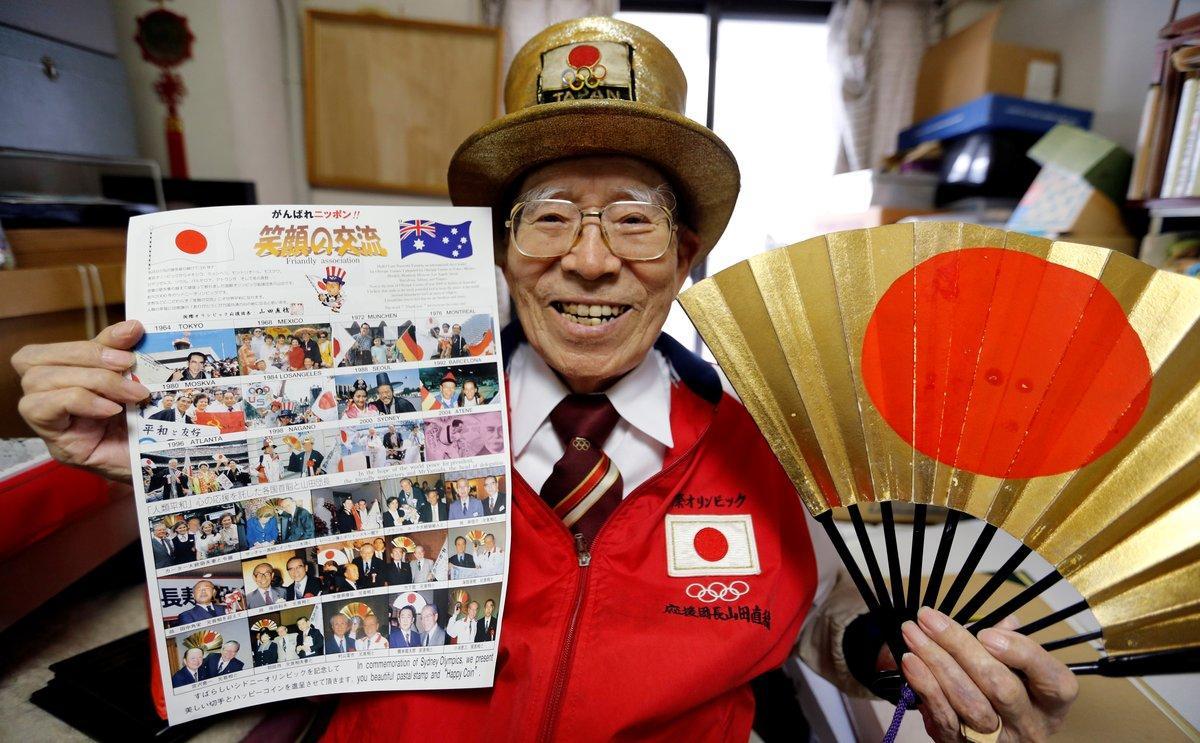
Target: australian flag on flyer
445,240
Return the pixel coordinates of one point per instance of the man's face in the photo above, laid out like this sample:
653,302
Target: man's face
193,658
228,651
339,624
406,619
489,543
457,329
263,575
308,446
366,552
385,393
428,618
448,389
463,488
490,486
493,437
488,608
302,624
229,399
203,592
397,554
419,553
183,403
406,485
296,569
287,504
160,531
195,364
168,401
460,545
370,624
590,357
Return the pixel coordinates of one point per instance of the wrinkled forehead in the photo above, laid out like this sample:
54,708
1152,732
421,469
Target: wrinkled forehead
582,180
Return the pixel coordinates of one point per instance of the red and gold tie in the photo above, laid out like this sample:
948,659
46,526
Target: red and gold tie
585,485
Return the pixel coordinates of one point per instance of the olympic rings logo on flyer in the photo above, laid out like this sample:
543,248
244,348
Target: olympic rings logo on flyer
717,591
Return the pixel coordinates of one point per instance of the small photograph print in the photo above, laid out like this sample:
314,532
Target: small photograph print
202,594
475,493
427,552
350,508
382,393
352,565
291,456
369,342
221,650
287,634
280,348
195,470
217,408
278,519
362,448
457,336
198,534
280,577
476,551
418,618
289,402
458,386
473,613
358,625
186,355
457,436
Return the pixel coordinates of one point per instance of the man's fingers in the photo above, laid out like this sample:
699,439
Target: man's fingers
1009,622
123,335
1050,682
106,351
87,354
101,381
52,411
1000,685
941,721
961,691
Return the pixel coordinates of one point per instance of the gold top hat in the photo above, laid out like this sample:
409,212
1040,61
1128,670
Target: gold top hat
598,86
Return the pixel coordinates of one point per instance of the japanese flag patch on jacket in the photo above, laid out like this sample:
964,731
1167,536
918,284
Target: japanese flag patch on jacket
710,545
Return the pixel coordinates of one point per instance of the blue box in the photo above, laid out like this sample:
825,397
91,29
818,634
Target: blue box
993,111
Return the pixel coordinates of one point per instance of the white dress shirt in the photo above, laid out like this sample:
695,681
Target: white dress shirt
639,441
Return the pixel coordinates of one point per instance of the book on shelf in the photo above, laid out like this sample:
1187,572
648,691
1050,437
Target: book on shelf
1145,142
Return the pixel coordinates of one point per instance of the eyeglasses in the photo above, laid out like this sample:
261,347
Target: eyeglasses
632,230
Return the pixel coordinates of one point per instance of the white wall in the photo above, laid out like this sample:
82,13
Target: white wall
1107,48
243,112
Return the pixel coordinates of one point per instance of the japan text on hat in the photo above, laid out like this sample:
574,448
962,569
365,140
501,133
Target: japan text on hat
599,86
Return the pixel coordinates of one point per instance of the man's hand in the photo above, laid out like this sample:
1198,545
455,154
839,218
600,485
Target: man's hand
962,679
74,395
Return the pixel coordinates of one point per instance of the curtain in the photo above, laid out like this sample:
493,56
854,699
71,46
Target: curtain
875,49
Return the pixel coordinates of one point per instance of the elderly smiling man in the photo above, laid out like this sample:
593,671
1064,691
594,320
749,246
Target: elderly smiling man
663,557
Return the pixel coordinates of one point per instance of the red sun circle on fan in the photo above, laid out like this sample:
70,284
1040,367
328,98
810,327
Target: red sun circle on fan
710,544
1004,364
584,55
191,242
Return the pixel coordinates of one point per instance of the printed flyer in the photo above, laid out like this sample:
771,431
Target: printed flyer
323,457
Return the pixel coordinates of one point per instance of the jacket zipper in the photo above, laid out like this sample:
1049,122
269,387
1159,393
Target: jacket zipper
567,654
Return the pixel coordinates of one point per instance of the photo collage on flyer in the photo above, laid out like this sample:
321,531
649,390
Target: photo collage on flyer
323,488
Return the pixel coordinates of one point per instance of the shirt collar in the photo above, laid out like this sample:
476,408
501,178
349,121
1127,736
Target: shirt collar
642,397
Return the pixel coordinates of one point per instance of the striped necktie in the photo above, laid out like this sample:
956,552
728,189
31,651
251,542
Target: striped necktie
585,485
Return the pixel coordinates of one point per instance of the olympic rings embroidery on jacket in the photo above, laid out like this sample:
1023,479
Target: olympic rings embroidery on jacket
717,591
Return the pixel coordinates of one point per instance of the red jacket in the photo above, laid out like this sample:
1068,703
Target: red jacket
614,649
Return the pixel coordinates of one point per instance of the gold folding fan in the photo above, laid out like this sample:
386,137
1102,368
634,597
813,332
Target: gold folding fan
1050,389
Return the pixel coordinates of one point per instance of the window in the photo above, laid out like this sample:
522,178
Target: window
772,104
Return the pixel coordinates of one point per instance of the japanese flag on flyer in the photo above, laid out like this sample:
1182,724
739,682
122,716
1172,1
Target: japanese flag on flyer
293,477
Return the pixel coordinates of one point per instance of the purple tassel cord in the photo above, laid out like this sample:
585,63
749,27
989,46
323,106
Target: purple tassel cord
907,697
